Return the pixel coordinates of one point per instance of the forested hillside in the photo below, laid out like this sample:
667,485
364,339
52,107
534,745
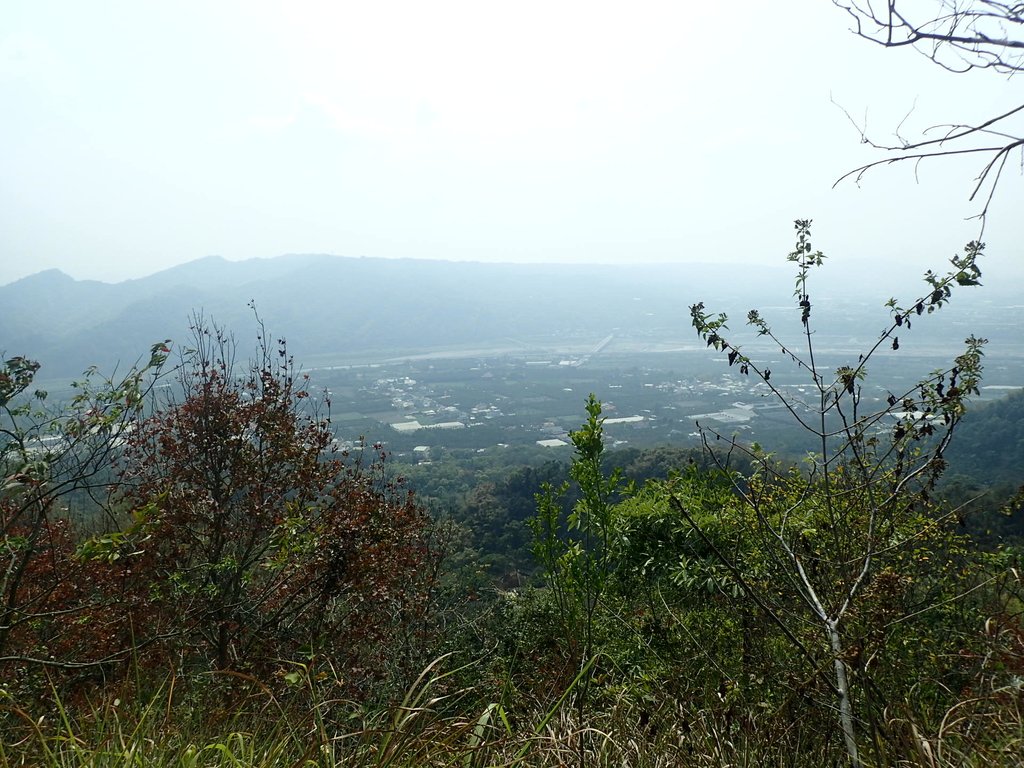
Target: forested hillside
989,448
190,536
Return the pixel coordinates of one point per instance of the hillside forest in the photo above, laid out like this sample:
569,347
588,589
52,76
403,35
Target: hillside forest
196,572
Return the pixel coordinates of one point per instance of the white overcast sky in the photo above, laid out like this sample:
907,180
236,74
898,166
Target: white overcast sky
138,135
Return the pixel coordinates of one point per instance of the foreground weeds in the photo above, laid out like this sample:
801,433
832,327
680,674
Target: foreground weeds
241,722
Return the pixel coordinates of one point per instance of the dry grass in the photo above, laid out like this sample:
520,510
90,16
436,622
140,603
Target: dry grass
438,724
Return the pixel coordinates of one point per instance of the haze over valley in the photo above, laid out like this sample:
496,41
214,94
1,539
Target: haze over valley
424,356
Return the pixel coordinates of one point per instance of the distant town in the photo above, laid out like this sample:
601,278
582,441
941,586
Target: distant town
479,401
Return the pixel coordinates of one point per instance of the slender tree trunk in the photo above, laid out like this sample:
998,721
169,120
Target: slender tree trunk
11,582
843,686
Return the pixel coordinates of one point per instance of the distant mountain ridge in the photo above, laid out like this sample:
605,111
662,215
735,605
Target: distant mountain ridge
330,305
333,307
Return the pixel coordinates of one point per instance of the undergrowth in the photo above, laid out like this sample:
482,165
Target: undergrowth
241,722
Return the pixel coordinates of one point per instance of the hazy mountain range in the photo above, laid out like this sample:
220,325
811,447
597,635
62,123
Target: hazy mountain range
332,308
335,306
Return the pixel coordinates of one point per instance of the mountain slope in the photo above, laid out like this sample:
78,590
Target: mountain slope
988,446
329,305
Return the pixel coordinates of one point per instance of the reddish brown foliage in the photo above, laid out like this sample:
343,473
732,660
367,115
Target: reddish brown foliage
52,614
245,540
257,539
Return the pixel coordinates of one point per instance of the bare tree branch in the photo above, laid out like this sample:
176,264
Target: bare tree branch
959,36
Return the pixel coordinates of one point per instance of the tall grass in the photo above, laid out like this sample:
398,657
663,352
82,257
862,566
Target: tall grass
243,723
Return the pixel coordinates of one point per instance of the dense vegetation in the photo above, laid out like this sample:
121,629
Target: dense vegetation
194,573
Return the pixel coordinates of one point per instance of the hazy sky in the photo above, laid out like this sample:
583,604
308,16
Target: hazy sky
138,135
